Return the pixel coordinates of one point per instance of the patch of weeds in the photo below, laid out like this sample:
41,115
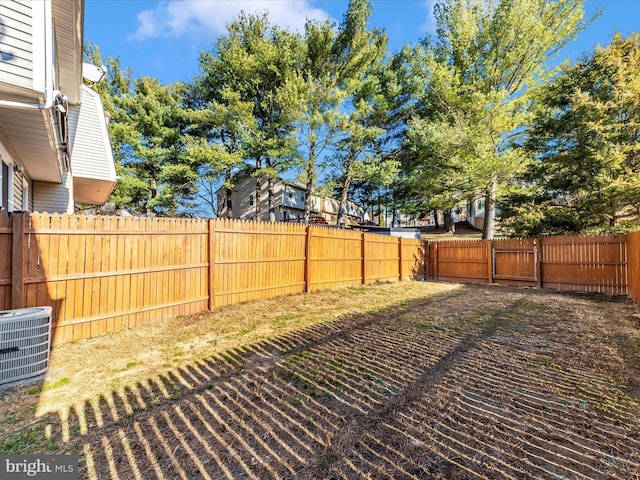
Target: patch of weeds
288,375
336,364
129,366
29,440
629,348
34,390
115,384
456,330
285,319
57,384
298,357
550,364
311,424
424,326
491,327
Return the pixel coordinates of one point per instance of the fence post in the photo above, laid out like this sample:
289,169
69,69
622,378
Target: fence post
212,264
537,244
435,262
363,268
307,262
425,259
400,259
18,260
489,262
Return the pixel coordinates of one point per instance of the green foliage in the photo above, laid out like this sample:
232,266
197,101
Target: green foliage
146,131
584,136
251,85
473,85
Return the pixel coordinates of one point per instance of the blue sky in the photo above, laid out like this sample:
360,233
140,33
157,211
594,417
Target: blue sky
163,39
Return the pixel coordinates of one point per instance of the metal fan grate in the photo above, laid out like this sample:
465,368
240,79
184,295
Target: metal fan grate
25,340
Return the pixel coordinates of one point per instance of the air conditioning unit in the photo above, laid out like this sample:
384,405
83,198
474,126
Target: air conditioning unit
25,340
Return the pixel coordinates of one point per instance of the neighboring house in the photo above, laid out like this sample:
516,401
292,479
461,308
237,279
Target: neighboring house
476,213
461,213
54,144
288,200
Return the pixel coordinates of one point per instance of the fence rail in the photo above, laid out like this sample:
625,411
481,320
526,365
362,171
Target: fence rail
103,274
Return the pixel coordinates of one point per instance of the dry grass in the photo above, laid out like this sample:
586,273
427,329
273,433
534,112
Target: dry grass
412,380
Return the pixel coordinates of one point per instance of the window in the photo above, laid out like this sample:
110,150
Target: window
480,204
251,200
291,195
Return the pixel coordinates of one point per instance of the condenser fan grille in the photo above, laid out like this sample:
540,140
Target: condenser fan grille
25,338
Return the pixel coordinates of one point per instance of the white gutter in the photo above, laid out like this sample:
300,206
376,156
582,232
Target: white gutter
52,95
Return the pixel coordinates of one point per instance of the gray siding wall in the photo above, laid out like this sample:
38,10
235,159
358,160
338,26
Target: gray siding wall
22,192
54,197
18,190
16,42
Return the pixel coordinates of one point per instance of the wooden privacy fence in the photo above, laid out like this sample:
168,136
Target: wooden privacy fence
102,274
587,263
633,268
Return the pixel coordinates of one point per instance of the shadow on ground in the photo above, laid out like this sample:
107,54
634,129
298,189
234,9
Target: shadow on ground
506,384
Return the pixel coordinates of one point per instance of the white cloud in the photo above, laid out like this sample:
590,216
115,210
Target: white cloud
175,18
429,24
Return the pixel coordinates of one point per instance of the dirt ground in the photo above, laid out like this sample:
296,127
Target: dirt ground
472,382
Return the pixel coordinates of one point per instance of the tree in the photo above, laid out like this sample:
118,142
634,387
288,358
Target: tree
156,154
217,132
476,78
361,53
259,63
324,94
146,130
113,91
585,137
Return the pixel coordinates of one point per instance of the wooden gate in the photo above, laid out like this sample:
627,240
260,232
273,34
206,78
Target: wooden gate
515,261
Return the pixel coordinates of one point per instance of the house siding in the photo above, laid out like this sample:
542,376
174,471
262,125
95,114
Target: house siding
18,190
54,197
90,149
22,192
16,43
285,206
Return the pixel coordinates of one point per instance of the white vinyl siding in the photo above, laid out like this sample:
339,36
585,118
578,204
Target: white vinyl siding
54,197
90,148
16,42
